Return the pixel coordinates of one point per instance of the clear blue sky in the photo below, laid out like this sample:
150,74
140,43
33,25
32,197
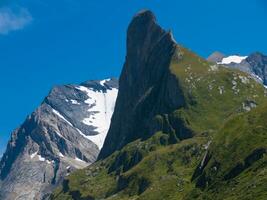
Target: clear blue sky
49,42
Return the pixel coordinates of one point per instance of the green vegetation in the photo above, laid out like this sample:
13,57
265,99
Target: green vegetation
169,166
237,168
162,173
213,93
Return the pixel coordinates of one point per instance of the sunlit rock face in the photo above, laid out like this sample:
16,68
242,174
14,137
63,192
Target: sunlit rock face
66,132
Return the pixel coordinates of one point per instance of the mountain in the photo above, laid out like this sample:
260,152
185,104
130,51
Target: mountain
255,64
63,134
216,57
177,118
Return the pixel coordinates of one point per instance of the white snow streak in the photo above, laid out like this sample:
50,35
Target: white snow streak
61,155
80,160
60,116
59,134
33,155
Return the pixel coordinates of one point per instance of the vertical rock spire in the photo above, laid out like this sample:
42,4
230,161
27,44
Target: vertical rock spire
149,52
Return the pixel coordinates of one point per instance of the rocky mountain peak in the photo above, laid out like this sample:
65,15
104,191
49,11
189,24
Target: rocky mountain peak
145,13
216,57
149,52
65,133
255,64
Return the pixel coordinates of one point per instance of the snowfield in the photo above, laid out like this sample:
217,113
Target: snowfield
101,107
232,59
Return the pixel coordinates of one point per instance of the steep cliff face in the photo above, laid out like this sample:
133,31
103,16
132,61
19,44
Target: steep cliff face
145,78
170,107
61,135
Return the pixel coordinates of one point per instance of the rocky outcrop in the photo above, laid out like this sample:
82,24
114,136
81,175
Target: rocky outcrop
147,87
61,135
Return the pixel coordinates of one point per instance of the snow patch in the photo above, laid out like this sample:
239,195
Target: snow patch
104,81
49,162
78,159
101,109
42,159
33,155
61,155
233,59
75,102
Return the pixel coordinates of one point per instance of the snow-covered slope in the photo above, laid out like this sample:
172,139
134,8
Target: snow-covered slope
91,114
64,133
101,112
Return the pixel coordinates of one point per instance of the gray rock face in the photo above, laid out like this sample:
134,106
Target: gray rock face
258,65
149,53
255,64
61,135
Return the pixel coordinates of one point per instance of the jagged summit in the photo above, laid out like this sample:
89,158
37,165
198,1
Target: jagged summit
66,132
145,18
145,13
149,52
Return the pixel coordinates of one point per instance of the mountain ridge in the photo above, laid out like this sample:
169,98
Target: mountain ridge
60,136
148,41
254,64
172,106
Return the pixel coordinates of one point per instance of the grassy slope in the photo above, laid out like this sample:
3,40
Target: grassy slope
203,81
152,169
241,142
166,171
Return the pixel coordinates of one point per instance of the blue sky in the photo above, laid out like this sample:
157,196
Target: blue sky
47,42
